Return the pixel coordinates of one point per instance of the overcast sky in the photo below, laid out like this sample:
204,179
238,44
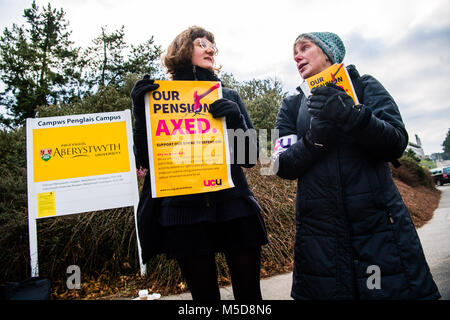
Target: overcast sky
404,44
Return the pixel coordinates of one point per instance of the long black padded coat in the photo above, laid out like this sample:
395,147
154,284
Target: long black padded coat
351,222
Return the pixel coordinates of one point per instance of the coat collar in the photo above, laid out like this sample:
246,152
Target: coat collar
191,72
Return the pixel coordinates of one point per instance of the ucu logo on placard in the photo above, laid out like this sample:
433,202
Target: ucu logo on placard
212,183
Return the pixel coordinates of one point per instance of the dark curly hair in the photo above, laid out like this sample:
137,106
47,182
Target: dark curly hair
179,52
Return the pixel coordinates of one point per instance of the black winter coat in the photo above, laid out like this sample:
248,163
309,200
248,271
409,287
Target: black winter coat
349,213
149,231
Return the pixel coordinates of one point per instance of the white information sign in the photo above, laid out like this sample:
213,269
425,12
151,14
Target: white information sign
79,163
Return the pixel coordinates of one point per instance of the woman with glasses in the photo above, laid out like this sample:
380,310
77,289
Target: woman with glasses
193,228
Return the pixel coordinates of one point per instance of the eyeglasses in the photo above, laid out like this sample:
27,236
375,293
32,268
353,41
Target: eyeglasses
205,44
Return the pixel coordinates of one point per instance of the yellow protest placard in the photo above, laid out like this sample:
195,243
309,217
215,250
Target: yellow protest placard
188,148
79,151
337,73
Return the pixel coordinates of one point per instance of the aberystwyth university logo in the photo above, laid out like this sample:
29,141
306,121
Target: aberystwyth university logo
80,150
46,154
75,150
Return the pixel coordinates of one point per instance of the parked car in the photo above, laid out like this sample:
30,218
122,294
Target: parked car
440,175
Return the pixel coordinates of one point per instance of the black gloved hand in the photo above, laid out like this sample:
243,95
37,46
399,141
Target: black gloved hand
321,133
140,89
137,96
332,103
230,110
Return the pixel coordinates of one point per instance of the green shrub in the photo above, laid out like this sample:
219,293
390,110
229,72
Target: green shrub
105,242
411,173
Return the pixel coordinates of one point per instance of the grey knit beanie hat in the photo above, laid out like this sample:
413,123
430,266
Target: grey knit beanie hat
329,42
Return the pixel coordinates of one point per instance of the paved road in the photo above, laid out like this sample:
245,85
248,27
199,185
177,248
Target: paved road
274,288
435,239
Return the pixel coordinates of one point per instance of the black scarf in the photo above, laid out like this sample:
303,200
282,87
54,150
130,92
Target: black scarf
191,72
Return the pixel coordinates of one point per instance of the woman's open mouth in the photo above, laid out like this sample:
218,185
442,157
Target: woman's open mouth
301,66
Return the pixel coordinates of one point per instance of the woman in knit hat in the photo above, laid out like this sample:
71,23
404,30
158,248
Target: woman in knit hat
354,235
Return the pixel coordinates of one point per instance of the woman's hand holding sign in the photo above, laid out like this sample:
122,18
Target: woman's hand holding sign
140,89
330,102
137,96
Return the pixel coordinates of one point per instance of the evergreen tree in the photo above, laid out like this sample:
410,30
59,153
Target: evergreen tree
34,64
263,99
110,59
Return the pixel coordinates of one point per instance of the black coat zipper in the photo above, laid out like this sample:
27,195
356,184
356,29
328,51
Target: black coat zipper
348,225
